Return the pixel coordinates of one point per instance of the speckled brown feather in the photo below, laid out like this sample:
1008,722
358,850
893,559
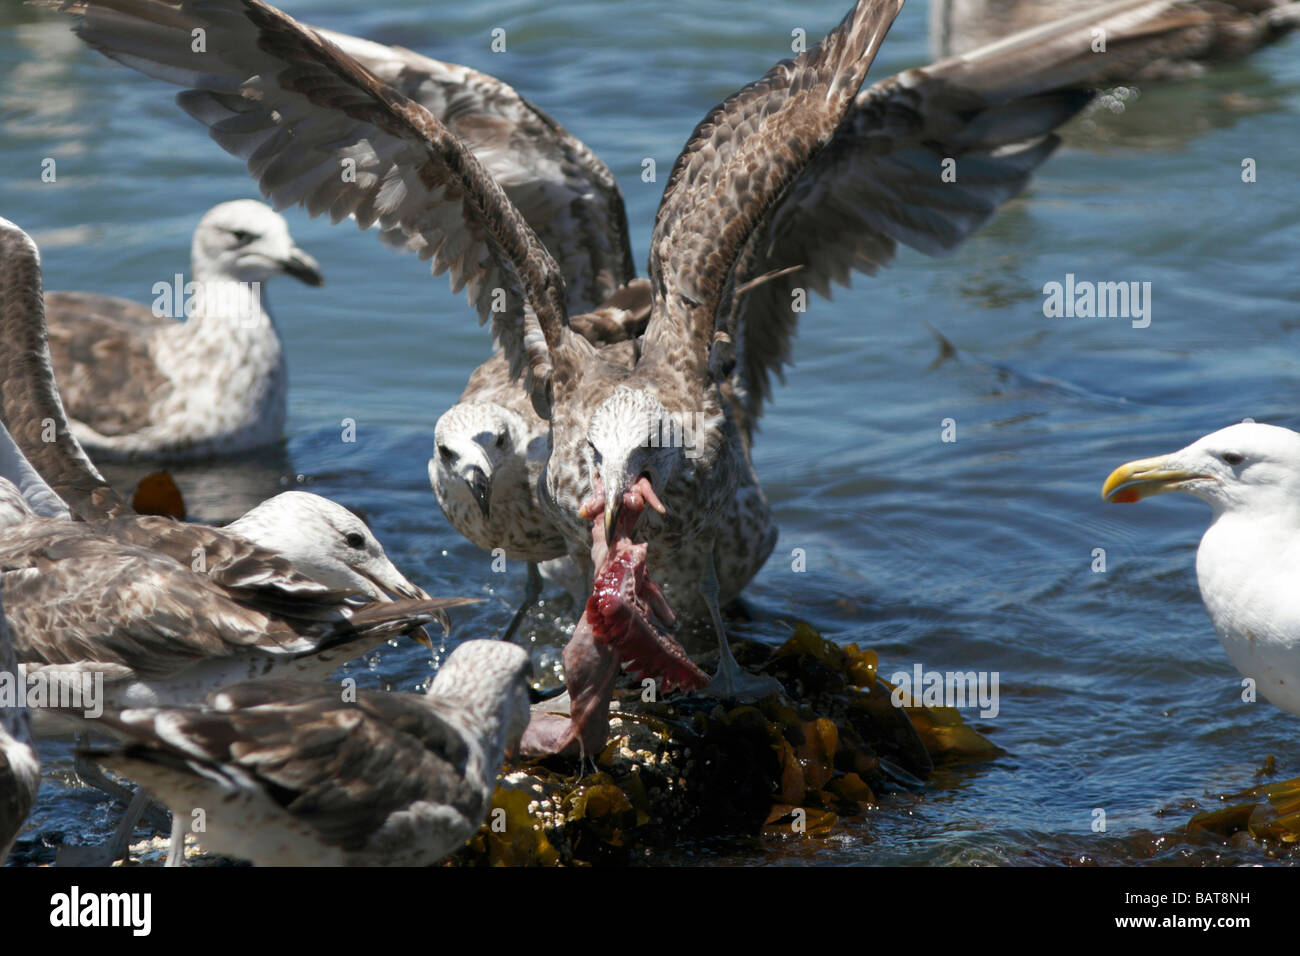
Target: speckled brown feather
341,767
564,191
739,162
77,592
19,764
1175,38
102,346
30,405
294,106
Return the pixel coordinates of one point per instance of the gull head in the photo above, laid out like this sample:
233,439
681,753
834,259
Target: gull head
325,542
247,241
1236,469
473,443
633,436
489,680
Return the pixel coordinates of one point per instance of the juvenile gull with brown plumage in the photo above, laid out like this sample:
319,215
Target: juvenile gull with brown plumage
167,611
137,383
794,182
295,775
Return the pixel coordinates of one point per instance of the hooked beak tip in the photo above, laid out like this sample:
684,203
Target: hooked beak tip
303,268
1143,478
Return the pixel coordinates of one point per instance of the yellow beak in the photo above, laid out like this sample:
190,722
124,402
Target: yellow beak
1143,478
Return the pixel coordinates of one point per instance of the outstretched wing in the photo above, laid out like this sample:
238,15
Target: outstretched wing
321,131
740,160
880,180
563,190
30,406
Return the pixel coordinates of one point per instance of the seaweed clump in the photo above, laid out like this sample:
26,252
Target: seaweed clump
693,767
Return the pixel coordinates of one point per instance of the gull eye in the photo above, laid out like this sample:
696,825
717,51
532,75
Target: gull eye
1232,458
501,439
445,454
242,236
354,540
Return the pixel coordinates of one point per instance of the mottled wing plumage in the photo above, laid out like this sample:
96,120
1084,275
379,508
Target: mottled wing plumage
742,158
229,560
319,130
879,182
74,596
86,594
618,322
1167,39
103,346
565,192
342,768
30,405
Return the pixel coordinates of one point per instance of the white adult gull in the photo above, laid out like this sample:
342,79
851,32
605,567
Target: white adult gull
796,181
1248,561
136,383
290,774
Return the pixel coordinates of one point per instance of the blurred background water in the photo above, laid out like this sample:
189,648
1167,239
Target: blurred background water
976,554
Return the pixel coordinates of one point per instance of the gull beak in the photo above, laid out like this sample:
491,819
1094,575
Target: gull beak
1144,478
303,268
478,483
386,578
613,509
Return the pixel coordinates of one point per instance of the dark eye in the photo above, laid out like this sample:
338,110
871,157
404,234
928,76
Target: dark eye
1232,458
354,540
242,236
445,454
501,439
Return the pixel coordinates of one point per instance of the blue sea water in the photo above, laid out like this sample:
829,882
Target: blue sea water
974,554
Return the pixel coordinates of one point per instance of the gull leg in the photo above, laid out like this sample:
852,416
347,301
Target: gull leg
176,852
107,853
732,682
532,591
93,776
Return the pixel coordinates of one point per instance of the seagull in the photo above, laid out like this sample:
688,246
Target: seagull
1179,38
318,537
167,611
20,767
289,774
139,384
1248,561
490,448
83,599
793,183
